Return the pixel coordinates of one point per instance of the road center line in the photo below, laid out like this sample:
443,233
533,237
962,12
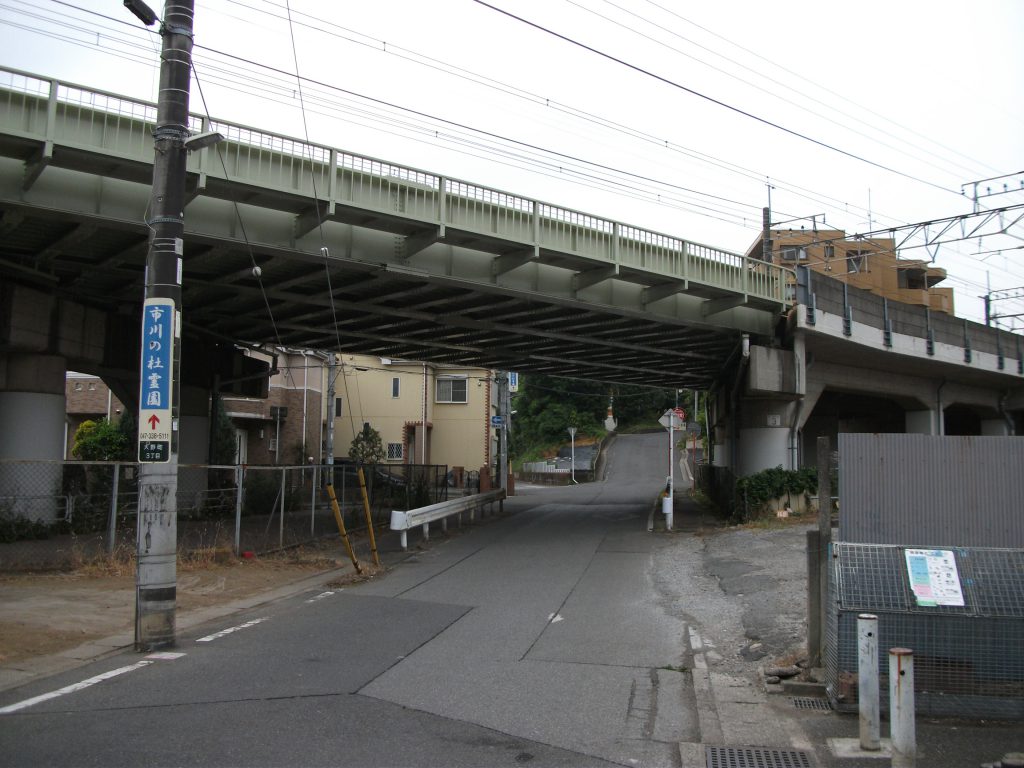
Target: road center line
229,630
72,688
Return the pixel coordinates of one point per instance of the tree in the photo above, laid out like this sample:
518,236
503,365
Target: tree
547,405
366,447
100,441
223,445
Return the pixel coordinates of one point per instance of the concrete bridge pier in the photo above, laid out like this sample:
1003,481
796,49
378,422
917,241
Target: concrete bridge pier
32,412
193,445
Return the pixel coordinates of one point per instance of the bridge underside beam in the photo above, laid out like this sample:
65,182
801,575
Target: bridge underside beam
366,295
506,262
714,306
582,280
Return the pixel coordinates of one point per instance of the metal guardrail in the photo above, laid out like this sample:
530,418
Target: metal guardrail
424,516
48,112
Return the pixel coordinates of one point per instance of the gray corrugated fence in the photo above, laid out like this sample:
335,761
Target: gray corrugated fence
932,490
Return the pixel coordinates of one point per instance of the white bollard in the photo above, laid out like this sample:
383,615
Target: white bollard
867,681
666,509
901,707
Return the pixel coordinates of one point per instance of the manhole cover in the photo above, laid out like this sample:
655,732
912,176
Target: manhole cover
812,702
755,757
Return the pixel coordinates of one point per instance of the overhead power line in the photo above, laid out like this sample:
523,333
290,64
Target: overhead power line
711,99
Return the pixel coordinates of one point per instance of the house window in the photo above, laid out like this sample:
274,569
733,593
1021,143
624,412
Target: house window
396,451
794,253
337,408
396,386
830,252
451,391
856,261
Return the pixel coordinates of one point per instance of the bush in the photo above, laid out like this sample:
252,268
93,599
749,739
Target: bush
753,492
20,528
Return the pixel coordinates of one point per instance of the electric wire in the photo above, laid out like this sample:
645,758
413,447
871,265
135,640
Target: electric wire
713,100
780,184
840,96
742,222
238,215
319,212
774,81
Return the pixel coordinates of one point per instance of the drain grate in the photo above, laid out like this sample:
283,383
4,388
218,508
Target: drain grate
812,702
755,757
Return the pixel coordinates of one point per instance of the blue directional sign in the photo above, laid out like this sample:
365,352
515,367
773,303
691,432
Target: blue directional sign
155,380
497,421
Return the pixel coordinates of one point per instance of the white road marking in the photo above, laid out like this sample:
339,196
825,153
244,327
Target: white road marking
555,617
72,688
321,596
229,630
165,656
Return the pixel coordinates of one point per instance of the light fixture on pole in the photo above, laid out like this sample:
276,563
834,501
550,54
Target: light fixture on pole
198,141
142,12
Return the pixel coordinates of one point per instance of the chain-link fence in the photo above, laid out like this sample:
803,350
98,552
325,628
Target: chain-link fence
51,511
967,659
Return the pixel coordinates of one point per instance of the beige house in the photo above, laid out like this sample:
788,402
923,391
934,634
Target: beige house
871,263
426,413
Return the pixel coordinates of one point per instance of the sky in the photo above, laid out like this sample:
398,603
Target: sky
684,118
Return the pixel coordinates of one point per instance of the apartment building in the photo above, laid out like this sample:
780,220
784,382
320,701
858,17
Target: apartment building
871,263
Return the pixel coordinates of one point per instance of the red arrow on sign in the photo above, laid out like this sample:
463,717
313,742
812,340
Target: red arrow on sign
153,421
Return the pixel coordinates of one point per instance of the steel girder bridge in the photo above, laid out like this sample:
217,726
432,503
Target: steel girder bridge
302,245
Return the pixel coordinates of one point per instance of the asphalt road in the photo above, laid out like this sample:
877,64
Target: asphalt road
537,638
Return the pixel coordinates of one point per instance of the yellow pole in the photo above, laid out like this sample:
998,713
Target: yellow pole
341,529
369,519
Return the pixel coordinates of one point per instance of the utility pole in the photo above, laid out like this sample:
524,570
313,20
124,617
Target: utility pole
159,386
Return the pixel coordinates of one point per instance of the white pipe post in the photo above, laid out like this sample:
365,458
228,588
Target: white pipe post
668,505
280,522
901,707
112,524
239,485
572,465
867,681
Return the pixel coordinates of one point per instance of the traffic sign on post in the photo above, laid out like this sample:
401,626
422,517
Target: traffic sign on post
673,419
155,385
497,420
